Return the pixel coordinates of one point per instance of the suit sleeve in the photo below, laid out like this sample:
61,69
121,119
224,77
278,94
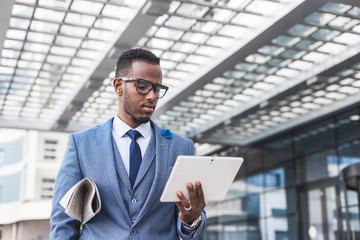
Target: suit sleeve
63,226
196,233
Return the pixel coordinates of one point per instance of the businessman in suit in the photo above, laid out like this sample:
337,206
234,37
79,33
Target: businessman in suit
130,159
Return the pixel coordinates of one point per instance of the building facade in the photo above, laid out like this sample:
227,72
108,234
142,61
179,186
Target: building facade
29,162
290,186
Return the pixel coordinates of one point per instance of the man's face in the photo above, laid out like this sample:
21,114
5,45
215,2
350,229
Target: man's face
134,108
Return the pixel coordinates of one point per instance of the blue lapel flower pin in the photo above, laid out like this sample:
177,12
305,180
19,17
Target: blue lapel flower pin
166,133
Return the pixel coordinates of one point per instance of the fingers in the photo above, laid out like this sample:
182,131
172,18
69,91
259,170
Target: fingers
200,193
184,203
191,208
186,210
192,193
196,196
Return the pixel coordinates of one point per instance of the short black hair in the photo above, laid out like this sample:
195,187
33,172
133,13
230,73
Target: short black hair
126,59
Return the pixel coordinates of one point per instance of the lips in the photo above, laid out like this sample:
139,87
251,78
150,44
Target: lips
148,107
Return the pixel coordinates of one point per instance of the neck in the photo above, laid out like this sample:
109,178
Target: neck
133,124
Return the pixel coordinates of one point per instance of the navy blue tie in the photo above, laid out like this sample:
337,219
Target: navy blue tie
135,155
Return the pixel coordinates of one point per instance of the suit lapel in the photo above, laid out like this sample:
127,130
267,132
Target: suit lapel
120,168
162,152
104,139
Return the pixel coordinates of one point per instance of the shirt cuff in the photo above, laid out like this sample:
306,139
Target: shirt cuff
186,230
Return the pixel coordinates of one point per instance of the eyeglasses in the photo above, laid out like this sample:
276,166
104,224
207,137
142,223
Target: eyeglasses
143,86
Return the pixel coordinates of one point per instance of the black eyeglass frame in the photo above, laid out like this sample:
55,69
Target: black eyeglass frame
155,87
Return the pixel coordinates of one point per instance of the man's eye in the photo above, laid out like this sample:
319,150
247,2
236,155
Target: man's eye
142,85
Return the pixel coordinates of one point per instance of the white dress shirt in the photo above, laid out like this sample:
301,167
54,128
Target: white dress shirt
123,141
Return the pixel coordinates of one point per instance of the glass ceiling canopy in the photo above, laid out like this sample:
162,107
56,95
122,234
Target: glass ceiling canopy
50,48
327,36
229,78
191,38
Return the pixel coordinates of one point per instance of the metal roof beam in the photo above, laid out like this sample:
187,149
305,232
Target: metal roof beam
5,14
20,123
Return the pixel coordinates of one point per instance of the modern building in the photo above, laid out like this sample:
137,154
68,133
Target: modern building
274,81
29,162
291,185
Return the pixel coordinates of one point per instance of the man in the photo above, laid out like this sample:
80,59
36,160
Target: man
130,183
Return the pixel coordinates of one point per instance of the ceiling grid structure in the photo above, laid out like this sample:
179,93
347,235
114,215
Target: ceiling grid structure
49,51
238,70
191,54
248,82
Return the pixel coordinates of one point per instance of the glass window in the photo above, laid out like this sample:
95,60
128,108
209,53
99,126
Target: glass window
348,126
47,188
232,231
314,138
280,202
317,166
11,152
254,205
242,171
253,156
230,210
277,151
312,223
282,228
256,229
289,170
255,184
262,200
10,187
349,153
354,221
275,203
274,178
50,147
331,212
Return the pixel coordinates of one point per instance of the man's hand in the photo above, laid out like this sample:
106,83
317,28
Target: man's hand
191,209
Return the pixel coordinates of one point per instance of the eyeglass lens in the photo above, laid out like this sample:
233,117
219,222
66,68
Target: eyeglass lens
144,87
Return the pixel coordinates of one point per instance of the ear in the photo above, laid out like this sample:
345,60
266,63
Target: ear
118,86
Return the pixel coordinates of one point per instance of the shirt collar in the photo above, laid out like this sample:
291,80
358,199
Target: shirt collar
121,128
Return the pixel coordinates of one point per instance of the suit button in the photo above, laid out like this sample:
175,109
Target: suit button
134,201
132,231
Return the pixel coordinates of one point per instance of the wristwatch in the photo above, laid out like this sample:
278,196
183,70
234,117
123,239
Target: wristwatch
194,224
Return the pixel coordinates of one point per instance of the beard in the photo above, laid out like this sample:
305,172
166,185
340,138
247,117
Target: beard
132,111
141,120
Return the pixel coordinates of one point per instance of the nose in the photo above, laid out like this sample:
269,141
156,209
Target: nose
151,95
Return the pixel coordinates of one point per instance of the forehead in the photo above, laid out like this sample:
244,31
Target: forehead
148,71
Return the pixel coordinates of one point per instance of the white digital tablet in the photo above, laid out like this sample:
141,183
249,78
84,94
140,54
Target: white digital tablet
215,174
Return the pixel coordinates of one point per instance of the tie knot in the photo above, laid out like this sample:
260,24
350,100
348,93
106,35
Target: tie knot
133,134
